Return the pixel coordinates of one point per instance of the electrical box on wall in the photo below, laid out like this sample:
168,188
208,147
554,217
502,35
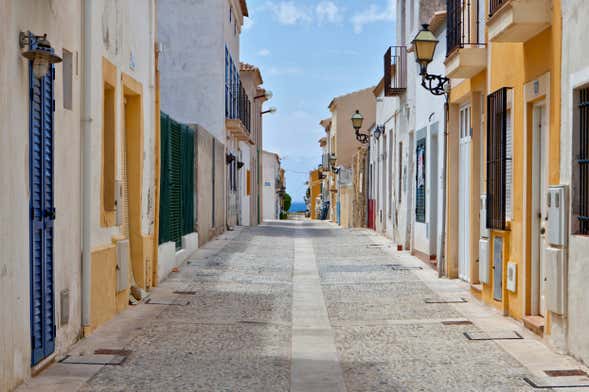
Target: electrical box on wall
512,277
557,203
484,260
556,272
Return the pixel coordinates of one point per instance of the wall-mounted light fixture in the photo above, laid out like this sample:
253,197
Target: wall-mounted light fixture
240,164
271,110
425,43
357,120
267,95
379,130
229,158
39,52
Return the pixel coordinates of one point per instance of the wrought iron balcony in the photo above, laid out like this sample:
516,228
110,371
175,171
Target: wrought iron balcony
238,111
395,71
518,20
494,6
464,27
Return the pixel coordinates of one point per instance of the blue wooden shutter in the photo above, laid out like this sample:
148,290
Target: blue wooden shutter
42,216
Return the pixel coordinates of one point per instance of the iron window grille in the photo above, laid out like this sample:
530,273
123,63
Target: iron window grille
237,103
581,209
420,179
459,33
498,159
395,71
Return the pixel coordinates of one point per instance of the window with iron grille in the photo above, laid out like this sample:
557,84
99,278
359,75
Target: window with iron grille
581,172
420,182
498,160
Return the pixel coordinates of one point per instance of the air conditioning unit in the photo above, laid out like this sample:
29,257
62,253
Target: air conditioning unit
556,200
122,265
512,277
483,217
555,280
484,260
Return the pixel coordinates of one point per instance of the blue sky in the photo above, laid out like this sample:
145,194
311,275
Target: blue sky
310,51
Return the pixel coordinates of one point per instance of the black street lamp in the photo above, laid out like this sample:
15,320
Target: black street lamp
425,43
357,120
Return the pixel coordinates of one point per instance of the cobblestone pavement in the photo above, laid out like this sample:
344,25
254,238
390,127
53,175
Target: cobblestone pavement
305,306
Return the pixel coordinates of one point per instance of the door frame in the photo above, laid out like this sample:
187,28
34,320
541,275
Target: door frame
539,150
464,211
536,92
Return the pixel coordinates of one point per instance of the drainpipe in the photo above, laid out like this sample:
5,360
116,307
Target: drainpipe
442,259
86,163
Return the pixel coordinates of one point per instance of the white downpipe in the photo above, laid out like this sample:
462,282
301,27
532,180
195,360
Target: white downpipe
86,164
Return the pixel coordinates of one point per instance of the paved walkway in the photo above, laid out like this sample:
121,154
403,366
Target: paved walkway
305,306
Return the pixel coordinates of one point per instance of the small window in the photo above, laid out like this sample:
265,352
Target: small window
420,181
499,165
580,191
109,149
68,71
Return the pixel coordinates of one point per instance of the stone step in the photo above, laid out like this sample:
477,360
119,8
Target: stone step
534,324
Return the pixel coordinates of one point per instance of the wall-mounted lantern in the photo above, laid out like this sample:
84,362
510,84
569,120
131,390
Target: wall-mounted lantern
230,158
357,120
425,43
39,52
378,131
240,164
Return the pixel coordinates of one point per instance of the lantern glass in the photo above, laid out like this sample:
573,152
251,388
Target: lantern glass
40,67
357,120
425,43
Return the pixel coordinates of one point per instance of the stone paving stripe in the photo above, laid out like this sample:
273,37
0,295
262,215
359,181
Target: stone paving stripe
315,365
538,385
165,302
493,335
445,300
565,373
113,360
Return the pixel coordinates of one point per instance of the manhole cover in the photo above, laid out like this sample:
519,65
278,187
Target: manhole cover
457,322
165,302
458,300
100,359
565,373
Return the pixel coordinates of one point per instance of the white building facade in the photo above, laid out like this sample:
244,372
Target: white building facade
271,183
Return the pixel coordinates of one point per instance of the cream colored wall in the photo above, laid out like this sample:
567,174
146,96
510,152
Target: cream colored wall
345,106
123,35
60,20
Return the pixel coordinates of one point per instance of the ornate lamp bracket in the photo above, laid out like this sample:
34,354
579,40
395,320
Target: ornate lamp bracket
436,84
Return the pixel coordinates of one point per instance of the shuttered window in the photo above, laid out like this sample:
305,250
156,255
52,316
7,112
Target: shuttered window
177,181
581,142
499,160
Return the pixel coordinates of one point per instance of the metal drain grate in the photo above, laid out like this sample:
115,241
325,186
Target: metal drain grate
458,300
164,302
112,360
536,385
493,335
565,373
457,322
110,351
184,292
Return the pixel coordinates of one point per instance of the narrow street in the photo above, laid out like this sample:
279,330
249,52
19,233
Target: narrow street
305,306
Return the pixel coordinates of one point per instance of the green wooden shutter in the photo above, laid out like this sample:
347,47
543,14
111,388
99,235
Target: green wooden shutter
175,177
164,225
187,180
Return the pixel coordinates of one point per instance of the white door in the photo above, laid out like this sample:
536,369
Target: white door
540,183
464,195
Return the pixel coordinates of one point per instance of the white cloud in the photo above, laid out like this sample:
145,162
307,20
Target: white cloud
282,71
288,13
264,52
248,23
374,14
328,11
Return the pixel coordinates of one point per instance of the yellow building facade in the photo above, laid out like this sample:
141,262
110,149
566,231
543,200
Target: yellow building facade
504,152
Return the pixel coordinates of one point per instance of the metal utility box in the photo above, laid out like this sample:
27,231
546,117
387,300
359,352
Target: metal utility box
122,265
557,205
483,217
484,260
556,272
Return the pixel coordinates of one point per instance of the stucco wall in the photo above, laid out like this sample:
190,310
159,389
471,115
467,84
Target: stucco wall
60,20
192,62
270,172
575,73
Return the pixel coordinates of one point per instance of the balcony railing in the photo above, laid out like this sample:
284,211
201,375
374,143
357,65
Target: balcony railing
395,71
244,108
237,104
461,32
494,6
